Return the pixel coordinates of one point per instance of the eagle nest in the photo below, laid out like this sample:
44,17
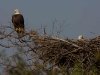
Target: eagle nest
68,52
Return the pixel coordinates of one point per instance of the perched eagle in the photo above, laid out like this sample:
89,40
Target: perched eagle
18,22
80,37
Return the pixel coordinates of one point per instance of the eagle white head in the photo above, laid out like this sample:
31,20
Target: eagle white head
16,11
80,37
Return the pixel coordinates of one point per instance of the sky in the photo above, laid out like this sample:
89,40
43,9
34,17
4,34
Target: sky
72,17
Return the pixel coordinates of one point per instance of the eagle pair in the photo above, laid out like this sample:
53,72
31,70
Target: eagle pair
18,22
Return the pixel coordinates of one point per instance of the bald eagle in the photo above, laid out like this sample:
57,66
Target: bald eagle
80,37
18,22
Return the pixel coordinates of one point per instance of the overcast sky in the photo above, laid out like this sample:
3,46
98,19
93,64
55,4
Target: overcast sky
78,16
